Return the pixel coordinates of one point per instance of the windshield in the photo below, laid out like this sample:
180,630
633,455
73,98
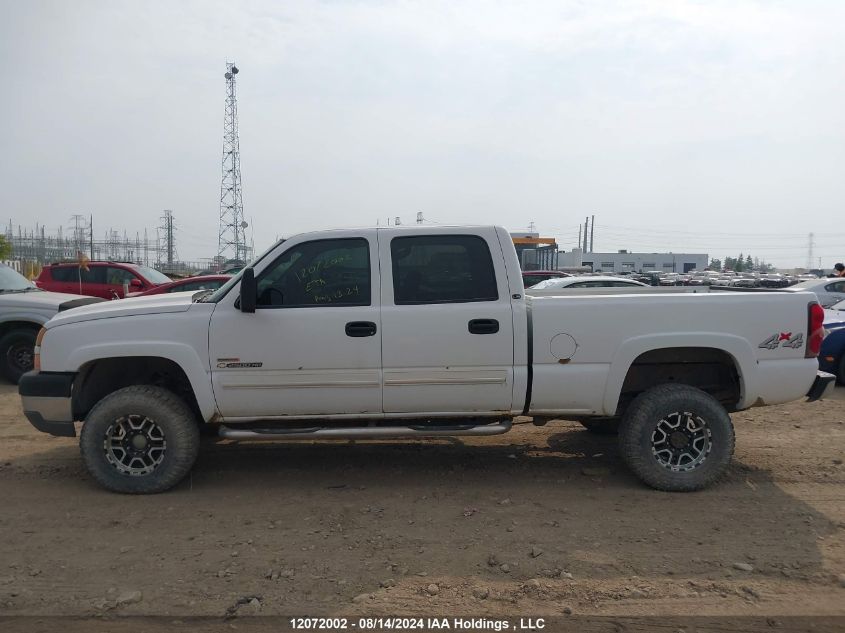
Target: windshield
13,281
557,282
153,275
221,292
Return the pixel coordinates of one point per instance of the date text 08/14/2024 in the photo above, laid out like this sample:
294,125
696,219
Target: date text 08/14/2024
410,624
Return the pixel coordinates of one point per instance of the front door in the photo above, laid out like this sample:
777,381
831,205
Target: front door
313,345
447,328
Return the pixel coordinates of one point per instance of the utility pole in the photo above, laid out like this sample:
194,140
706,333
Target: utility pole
230,240
592,231
810,251
586,228
579,236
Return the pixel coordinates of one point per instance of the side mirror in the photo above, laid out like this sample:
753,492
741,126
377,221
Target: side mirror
136,283
249,290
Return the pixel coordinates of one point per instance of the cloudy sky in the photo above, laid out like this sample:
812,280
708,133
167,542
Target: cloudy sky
713,127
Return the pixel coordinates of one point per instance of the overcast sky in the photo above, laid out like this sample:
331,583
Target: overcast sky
713,127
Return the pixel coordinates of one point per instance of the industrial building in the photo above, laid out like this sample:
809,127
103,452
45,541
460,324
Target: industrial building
625,262
535,252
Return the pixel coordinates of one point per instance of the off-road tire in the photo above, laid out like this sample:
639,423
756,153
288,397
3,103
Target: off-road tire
653,408
601,426
175,422
15,348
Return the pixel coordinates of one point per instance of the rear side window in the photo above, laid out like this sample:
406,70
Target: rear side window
94,275
64,273
442,269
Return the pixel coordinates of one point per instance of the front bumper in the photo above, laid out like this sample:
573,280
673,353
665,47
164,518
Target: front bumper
822,386
46,400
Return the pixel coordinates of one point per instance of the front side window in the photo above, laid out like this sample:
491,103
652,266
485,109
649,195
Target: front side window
118,276
442,269
318,273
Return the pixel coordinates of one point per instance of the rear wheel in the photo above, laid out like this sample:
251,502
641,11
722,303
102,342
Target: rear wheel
17,352
676,438
140,440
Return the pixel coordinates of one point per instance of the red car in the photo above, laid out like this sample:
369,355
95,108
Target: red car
200,282
531,277
102,279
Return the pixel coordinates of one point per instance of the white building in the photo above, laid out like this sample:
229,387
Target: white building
625,262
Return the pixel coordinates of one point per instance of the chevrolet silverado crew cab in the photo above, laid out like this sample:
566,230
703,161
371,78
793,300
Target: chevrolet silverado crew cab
414,332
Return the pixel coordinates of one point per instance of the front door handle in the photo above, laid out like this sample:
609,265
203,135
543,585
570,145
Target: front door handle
483,326
360,328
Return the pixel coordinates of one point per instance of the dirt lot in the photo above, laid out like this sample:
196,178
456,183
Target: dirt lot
539,521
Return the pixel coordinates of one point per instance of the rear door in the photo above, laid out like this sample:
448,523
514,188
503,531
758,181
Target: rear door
64,279
447,328
94,282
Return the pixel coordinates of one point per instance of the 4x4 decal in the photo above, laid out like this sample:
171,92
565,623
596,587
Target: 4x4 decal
783,339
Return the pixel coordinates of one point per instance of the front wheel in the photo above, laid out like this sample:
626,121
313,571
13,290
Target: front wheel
676,438
17,351
140,440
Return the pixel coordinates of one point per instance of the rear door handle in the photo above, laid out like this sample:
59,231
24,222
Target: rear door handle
360,328
483,326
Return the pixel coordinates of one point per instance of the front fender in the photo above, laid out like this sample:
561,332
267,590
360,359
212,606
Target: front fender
180,353
736,347
23,315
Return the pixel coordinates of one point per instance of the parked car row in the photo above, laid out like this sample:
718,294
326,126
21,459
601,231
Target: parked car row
586,281
26,306
24,309
116,280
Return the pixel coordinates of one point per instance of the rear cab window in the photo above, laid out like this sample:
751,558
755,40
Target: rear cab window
442,269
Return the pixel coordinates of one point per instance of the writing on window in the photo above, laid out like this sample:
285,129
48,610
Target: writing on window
318,273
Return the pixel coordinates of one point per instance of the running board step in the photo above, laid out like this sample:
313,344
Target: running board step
365,432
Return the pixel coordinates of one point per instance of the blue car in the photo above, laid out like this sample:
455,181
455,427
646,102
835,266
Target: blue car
832,354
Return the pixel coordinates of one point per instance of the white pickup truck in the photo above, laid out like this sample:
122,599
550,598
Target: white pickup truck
414,332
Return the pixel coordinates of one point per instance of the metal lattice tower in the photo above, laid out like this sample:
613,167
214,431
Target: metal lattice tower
168,249
231,241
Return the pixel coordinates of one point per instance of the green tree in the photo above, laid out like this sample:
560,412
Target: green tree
739,264
5,248
749,263
715,264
